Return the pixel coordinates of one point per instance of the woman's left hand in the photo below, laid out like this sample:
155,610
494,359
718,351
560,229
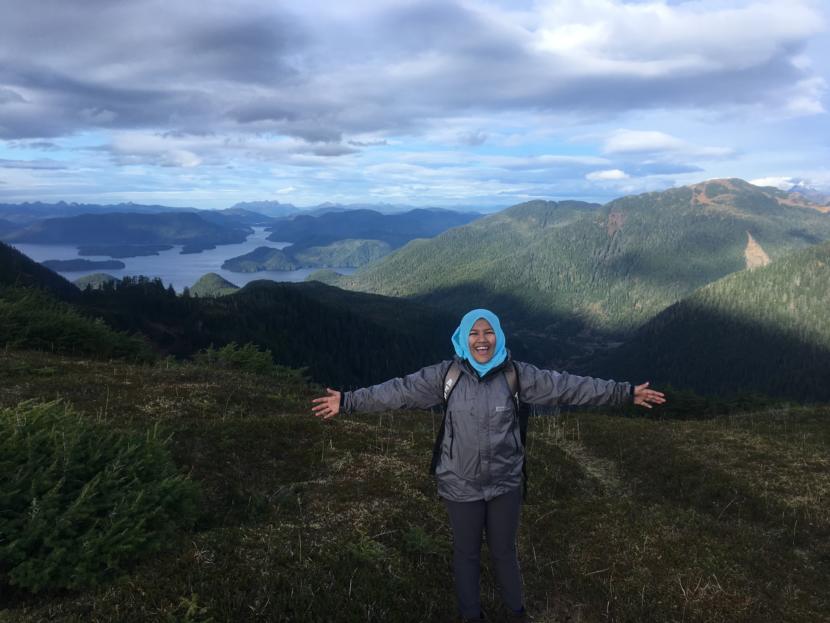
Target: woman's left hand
645,397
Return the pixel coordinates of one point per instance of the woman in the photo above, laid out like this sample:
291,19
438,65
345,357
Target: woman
479,472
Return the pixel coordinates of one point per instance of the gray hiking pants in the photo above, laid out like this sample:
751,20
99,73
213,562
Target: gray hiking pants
500,519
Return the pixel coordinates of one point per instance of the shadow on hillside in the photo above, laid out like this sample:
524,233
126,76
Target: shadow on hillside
711,352
560,341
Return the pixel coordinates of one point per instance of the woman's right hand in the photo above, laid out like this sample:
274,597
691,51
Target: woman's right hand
327,406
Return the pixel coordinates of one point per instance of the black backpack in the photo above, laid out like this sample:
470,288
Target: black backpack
522,411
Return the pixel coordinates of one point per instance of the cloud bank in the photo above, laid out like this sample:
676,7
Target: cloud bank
191,85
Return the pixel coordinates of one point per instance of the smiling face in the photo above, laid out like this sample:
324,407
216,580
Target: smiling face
482,341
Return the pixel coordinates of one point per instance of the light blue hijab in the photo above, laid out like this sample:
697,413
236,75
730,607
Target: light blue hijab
460,340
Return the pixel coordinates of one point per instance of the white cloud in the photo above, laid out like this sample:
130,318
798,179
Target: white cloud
607,175
387,94
654,38
805,98
782,183
654,142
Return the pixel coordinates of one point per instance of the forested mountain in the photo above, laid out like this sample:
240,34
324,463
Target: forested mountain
344,338
124,228
561,270
348,253
394,229
261,258
765,330
343,253
18,270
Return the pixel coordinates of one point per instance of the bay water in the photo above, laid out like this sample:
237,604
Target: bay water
173,267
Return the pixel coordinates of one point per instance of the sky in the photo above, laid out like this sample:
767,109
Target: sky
478,104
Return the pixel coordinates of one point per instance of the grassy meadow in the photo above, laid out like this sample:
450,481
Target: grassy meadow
628,519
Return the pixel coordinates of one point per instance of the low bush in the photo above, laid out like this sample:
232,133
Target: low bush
33,319
79,503
245,358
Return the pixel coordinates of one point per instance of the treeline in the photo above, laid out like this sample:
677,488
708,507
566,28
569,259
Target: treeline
307,325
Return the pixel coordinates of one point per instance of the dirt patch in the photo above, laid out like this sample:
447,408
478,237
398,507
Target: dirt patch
800,202
754,253
615,222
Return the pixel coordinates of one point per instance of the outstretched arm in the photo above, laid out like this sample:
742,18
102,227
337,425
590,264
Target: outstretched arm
420,390
548,387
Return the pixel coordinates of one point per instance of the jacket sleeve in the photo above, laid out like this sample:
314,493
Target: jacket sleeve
547,387
420,390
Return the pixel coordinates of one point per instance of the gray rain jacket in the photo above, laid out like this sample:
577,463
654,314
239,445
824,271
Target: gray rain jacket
481,454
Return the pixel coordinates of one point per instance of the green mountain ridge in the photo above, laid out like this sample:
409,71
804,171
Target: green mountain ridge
561,273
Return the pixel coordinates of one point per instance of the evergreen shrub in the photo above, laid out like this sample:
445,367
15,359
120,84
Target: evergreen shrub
33,319
245,358
80,503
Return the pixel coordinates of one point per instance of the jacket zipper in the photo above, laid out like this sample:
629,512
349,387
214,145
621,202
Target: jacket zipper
513,432
452,432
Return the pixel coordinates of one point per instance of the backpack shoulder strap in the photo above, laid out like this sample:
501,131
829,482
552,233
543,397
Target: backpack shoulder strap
512,377
511,374
450,380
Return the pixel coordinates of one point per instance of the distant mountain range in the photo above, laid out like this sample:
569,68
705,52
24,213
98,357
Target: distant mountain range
25,213
393,229
812,195
131,229
255,212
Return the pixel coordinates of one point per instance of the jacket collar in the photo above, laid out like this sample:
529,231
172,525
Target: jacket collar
468,369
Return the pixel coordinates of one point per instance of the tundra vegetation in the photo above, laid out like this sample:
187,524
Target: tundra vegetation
646,519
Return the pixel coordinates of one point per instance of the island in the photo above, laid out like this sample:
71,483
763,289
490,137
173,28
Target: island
70,266
347,253
261,258
123,250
